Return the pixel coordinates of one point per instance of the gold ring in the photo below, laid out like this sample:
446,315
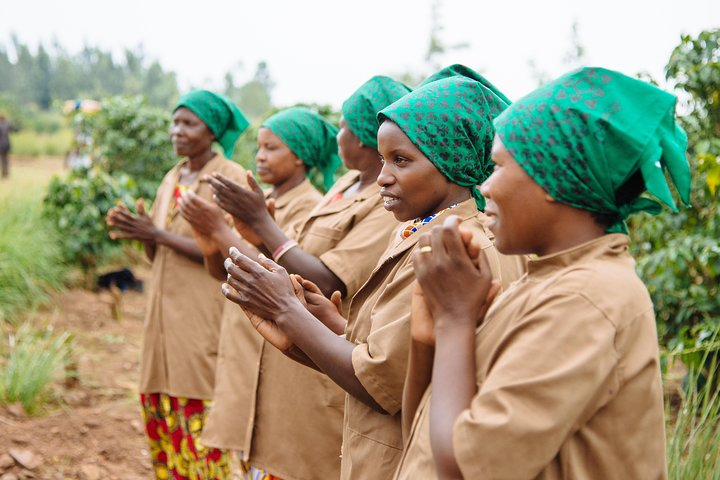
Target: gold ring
425,249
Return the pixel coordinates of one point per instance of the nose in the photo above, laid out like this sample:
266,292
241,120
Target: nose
260,156
385,178
486,187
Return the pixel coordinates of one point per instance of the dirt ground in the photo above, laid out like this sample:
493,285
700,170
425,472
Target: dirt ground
93,430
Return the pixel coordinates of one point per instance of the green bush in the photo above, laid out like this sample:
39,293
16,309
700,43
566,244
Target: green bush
77,206
679,254
130,137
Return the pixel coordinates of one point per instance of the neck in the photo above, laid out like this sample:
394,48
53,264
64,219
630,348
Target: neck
197,162
459,197
282,188
572,228
369,175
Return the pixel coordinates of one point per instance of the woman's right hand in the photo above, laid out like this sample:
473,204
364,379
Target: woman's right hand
247,232
467,288
328,311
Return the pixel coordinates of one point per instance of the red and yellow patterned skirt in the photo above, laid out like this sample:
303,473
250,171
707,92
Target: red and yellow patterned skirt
173,426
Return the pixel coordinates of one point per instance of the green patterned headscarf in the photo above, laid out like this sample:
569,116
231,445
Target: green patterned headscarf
450,121
582,136
310,137
219,113
458,70
360,110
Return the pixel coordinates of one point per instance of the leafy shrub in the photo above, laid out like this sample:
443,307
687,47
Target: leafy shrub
77,206
678,254
131,137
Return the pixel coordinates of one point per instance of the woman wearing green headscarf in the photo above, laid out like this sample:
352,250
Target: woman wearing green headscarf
287,435
435,145
561,380
183,313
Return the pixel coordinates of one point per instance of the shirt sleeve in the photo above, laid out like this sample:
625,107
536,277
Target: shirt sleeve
551,369
380,363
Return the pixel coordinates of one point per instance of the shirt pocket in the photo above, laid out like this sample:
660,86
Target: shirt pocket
320,239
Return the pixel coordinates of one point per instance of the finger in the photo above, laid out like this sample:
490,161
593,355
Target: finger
231,294
119,235
311,287
252,183
270,204
336,299
421,255
246,263
140,206
269,265
472,247
233,270
227,182
449,234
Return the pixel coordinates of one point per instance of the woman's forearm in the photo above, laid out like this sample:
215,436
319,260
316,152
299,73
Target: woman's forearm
417,379
297,260
454,385
185,246
331,353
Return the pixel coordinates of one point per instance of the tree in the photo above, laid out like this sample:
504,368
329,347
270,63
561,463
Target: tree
679,254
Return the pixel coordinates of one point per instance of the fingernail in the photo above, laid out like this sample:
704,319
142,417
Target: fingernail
234,252
227,263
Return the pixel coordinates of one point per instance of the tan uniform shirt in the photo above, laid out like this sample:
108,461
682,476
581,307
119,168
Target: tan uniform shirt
241,346
297,422
379,323
182,321
568,377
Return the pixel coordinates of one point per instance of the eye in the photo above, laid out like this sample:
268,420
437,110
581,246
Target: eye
400,161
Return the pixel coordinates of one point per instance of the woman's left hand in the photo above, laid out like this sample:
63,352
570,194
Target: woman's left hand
454,275
262,287
204,216
132,227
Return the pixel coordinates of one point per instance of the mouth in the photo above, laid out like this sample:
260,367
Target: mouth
390,201
491,218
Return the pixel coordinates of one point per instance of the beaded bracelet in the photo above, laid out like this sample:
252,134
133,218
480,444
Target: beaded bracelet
283,249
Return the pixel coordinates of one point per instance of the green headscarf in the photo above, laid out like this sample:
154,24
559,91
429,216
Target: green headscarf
360,110
219,113
458,70
310,137
582,136
450,121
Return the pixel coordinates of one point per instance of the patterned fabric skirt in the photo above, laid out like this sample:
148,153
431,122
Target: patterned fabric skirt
173,426
253,473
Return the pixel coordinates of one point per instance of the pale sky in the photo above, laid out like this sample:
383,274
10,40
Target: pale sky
322,50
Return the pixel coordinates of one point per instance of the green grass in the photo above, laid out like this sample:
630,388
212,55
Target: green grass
30,261
693,446
29,359
29,143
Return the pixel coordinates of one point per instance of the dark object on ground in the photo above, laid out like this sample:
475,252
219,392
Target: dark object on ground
122,279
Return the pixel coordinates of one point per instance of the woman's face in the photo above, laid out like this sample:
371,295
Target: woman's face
190,136
275,162
517,206
349,147
412,186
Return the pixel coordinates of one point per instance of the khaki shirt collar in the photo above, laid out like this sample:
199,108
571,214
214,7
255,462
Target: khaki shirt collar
613,244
